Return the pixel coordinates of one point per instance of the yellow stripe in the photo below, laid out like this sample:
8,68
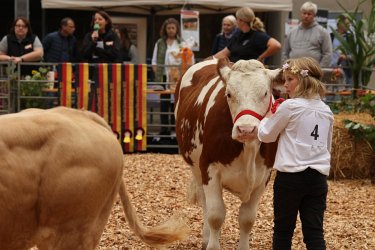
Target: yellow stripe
144,106
131,106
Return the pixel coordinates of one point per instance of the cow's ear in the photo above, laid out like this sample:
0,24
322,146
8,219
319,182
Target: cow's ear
223,68
277,78
275,74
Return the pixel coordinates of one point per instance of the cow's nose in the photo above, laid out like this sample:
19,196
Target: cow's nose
245,129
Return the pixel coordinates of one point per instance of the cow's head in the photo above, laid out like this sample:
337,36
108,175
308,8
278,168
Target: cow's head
248,93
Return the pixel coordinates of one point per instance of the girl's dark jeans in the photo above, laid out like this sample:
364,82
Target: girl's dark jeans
304,192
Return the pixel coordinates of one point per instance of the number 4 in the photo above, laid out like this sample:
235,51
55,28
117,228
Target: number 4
315,133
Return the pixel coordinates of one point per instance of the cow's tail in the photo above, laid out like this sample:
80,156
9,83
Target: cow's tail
172,230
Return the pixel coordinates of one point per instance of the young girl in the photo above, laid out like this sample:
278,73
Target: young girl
305,125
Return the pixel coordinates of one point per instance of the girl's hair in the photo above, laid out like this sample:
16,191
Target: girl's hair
163,29
231,19
309,75
124,36
25,21
105,16
246,14
309,6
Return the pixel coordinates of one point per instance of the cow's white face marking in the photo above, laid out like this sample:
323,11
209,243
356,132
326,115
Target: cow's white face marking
248,87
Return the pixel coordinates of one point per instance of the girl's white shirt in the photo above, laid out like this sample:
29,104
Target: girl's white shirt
305,127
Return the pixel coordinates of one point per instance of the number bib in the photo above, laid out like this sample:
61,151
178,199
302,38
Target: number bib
313,130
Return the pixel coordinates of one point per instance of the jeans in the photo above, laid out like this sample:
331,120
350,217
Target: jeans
304,192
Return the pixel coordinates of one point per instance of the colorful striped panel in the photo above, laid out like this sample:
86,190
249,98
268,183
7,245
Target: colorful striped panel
103,96
83,86
128,109
141,132
116,94
66,85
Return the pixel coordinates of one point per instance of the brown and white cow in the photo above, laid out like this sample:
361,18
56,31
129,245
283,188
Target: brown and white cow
60,172
218,108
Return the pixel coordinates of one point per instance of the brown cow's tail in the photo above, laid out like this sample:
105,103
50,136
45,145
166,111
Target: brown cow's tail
172,230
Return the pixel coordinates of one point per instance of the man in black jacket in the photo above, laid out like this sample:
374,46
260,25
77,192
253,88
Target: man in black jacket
61,45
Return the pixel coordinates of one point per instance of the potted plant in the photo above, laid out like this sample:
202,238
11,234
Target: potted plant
32,88
359,44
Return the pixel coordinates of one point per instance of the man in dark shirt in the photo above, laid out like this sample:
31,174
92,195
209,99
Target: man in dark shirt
61,45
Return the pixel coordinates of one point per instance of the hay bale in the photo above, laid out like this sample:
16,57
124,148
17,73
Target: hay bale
351,158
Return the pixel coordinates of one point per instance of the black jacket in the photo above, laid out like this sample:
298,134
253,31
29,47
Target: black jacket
110,53
16,48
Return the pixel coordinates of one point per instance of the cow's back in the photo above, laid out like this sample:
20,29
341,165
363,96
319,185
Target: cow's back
57,166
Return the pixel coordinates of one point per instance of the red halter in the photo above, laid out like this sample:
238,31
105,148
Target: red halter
255,114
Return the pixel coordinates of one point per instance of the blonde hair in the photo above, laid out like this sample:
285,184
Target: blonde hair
231,19
308,85
247,15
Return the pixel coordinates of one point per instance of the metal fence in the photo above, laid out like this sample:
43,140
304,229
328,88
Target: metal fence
124,94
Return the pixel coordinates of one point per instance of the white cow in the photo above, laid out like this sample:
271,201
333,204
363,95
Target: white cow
218,108
60,172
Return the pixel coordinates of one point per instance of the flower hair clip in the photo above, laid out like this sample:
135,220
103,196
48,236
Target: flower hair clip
295,70
304,73
285,66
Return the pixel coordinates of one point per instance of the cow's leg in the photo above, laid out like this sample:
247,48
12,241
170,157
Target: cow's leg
80,212
76,234
215,209
247,216
206,227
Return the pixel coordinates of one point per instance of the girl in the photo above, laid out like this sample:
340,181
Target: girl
305,125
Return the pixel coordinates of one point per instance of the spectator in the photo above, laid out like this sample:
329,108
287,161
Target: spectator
102,45
252,42
168,43
61,45
228,27
338,58
21,45
309,39
128,52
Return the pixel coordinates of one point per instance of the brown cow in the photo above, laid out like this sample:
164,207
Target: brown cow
60,172
218,107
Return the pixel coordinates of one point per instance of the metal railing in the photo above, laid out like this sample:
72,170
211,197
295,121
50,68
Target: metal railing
16,94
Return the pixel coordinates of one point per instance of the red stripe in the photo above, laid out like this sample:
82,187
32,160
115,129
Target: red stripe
101,89
93,103
63,80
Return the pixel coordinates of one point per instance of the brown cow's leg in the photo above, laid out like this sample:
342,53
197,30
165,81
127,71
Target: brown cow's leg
215,208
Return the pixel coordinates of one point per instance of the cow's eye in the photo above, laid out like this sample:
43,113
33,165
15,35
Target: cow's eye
229,95
265,94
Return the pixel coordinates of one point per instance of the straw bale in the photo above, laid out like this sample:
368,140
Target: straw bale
351,158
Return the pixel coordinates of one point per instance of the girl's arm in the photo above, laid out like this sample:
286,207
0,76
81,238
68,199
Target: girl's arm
273,124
